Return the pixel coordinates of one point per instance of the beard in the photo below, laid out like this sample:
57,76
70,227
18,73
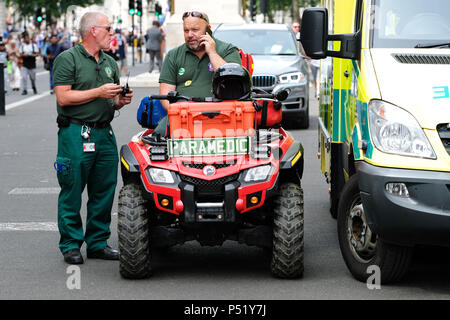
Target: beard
194,47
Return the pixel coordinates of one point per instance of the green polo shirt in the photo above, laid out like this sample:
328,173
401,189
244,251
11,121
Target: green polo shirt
78,68
193,76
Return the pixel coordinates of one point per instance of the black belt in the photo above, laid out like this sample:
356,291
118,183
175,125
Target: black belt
95,125
63,122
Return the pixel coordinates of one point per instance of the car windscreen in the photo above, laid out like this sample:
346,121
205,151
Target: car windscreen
410,23
260,42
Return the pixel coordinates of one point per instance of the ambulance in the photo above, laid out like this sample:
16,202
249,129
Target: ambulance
384,126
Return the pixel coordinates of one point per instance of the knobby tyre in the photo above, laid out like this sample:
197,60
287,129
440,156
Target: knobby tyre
133,230
288,226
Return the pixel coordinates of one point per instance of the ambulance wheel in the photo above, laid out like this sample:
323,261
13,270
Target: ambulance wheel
133,229
360,247
287,249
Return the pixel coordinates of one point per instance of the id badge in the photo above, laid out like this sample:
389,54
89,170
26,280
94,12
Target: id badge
89,147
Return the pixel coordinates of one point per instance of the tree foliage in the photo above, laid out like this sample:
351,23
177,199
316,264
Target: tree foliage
55,8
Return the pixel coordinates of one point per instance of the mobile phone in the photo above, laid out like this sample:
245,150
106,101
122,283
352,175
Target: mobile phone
208,31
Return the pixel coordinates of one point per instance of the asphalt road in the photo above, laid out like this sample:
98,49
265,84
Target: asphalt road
33,268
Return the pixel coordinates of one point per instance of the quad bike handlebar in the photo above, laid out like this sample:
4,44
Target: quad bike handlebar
257,94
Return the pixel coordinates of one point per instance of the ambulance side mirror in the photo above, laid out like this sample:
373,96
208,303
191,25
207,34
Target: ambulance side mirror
314,32
314,37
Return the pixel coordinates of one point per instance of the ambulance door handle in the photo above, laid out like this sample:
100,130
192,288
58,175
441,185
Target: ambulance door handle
346,74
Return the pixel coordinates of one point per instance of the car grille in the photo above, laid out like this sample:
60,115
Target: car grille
200,166
263,81
444,132
212,187
422,58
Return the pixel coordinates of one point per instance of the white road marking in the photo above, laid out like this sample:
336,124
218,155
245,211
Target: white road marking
21,191
27,100
29,226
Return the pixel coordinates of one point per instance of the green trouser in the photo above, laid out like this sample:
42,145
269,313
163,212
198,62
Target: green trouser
161,127
75,170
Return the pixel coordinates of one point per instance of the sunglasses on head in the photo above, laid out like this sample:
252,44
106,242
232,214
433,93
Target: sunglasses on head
195,14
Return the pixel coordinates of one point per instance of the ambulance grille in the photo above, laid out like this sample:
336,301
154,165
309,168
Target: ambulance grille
422,58
263,81
444,132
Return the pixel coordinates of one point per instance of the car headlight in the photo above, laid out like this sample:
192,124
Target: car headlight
257,173
161,175
293,77
396,131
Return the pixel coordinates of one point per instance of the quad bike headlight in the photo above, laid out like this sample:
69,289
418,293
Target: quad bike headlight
260,173
396,131
161,175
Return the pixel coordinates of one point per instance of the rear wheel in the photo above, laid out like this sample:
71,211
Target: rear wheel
133,229
303,123
287,251
360,247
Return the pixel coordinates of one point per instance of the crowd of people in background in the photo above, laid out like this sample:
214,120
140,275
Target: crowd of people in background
21,52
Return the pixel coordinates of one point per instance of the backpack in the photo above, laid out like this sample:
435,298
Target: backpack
150,112
246,61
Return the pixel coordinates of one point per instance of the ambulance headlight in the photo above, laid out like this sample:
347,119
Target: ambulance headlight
395,131
161,175
260,173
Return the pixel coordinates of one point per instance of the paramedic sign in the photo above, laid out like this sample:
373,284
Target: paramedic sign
209,146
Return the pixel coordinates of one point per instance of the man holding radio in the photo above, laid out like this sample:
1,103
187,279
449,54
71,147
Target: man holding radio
88,93
189,68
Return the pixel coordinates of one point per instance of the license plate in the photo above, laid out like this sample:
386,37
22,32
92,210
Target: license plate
209,146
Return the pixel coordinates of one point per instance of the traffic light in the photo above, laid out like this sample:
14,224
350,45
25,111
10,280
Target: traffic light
252,8
139,7
39,16
158,9
131,7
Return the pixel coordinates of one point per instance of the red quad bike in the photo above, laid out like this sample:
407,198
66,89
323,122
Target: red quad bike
217,177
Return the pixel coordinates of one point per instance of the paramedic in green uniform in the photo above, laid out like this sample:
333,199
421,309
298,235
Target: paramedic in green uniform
88,93
189,68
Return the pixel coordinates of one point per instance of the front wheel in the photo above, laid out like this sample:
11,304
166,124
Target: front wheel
133,228
360,247
287,250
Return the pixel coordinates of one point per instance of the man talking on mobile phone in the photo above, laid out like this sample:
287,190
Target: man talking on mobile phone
189,68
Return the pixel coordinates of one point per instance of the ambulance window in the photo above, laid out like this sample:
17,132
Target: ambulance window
406,23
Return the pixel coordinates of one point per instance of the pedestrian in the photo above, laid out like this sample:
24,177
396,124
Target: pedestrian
153,46
14,55
29,52
52,51
121,51
189,68
296,29
163,41
4,61
88,93
315,66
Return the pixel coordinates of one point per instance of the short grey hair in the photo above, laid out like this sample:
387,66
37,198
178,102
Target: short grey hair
89,20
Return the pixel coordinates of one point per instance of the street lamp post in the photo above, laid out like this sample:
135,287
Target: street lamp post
2,90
